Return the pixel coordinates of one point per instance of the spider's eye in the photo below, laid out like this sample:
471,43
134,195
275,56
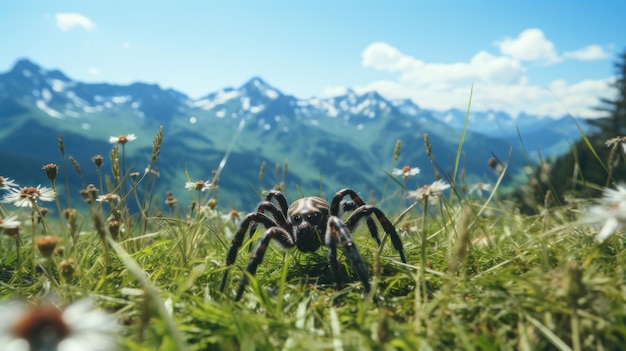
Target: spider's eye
297,219
313,217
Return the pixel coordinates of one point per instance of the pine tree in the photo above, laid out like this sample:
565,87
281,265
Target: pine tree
614,124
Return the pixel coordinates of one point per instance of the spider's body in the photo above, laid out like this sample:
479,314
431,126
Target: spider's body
308,223
309,215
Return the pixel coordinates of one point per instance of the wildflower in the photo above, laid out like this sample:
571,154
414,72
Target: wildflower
199,185
47,244
108,198
170,200
51,171
610,213
97,160
67,267
114,228
9,224
428,190
6,183
25,197
406,171
45,327
151,171
89,194
233,216
479,188
122,139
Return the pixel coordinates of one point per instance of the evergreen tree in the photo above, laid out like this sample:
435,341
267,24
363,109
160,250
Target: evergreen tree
614,124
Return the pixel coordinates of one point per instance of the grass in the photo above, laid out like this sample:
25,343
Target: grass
490,277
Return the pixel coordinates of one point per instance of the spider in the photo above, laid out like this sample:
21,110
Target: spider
306,224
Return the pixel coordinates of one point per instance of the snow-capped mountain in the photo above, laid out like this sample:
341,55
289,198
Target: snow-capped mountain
347,139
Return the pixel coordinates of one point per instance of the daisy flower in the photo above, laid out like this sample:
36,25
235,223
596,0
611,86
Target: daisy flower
405,171
428,191
6,183
610,213
122,139
45,327
199,185
108,198
9,223
479,188
233,215
25,197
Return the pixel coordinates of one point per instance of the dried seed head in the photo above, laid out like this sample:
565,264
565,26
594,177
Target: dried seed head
47,244
262,171
212,204
67,268
429,147
97,160
51,171
61,144
396,151
114,229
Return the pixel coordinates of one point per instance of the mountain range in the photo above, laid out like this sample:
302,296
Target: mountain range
327,143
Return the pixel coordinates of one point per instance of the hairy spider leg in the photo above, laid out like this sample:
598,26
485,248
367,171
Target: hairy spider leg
368,211
253,217
384,221
277,233
338,233
282,203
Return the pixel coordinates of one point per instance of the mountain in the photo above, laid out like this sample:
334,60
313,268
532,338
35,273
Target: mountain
333,142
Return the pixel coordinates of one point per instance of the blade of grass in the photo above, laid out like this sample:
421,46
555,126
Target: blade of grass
152,292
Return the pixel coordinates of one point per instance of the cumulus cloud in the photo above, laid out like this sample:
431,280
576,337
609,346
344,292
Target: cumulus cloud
69,20
588,53
482,67
500,82
530,45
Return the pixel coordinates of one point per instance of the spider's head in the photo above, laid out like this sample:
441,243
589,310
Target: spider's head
309,216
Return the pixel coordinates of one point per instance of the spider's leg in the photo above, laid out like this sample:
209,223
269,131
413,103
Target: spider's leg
337,232
279,217
357,201
277,233
282,203
254,217
368,211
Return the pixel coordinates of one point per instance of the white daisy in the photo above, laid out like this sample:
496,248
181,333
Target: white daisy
406,171
610,213
45,327
199,185
122,139
10,222
428,191
25,197
6,183
479,188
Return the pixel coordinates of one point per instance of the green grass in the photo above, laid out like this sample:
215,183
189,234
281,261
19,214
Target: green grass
494,279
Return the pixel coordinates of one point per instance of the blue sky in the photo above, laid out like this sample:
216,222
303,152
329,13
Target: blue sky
543,58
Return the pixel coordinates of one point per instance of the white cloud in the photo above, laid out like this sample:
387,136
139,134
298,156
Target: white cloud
530,45
500,81
482,67
68,20
588,53
93,71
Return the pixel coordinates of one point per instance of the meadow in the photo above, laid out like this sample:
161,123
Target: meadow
480,274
